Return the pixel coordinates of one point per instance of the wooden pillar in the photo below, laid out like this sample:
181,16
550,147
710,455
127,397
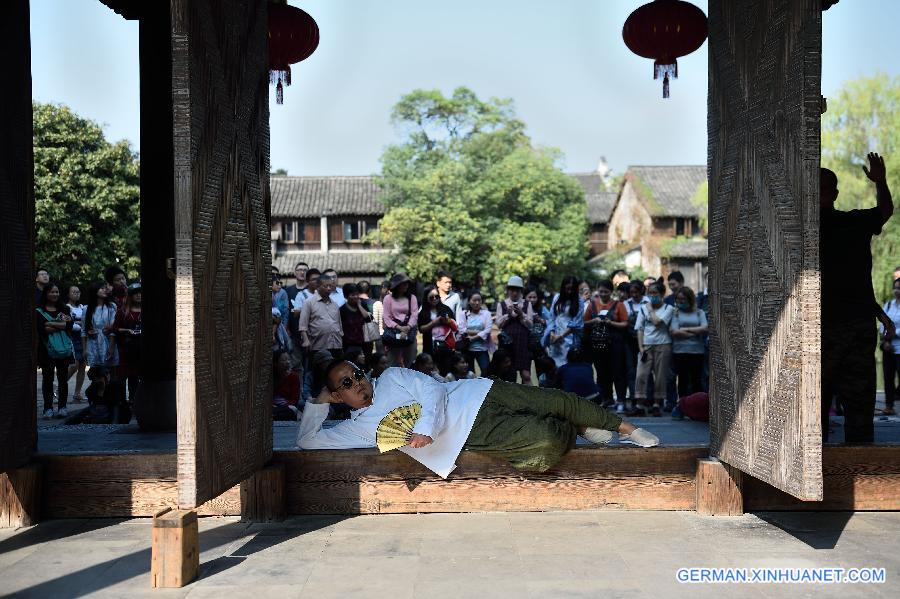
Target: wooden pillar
175,549
263,495
20,496
155,407
18,415
718,489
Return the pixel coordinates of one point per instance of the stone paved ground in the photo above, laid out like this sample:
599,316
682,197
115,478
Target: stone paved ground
555,554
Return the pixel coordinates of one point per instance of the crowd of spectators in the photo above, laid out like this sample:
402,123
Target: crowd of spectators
98,340
636,346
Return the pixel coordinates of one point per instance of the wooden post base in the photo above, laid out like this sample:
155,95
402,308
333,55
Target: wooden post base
718,489
20,496
263,495
175,549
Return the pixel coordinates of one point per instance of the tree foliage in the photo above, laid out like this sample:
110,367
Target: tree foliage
87,197
700,199
863,118
466,191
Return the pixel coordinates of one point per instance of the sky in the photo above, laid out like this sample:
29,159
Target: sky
563,63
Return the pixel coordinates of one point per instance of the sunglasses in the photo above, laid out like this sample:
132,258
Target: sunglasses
347,382
434,297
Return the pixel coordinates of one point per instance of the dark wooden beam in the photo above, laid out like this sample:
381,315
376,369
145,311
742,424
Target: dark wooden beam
155,409
18,414
131,9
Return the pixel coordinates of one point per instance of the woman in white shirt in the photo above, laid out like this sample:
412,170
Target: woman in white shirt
890,348
76,311
475,324
377,311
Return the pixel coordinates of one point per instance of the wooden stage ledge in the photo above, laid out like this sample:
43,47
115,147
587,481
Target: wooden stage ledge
366,482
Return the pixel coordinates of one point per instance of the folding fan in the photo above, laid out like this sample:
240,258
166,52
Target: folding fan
396,427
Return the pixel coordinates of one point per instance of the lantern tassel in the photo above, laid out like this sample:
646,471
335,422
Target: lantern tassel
280,77
664,70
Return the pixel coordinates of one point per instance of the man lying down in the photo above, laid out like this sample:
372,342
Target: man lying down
529,427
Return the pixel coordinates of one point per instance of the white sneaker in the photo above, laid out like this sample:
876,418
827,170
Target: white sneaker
48,414
620,408
640,437
62,413
597,436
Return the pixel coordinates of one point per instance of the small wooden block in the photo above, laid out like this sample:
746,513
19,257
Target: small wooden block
263,495
175,549
718,489
20,496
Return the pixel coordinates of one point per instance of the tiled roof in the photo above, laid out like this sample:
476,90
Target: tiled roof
693,248
309,197
350,262
306,197
670,188
600,203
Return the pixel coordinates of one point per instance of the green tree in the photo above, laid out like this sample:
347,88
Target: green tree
86,191
700,199
466,191
863,118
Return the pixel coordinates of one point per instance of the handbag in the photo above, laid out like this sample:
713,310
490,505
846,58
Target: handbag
391,336
370,331
58,344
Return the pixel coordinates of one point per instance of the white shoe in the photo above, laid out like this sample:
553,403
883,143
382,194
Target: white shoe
597,436
639,437
48,414
620,408
62,413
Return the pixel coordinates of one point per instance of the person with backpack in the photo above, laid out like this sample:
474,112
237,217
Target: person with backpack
605,326
55,350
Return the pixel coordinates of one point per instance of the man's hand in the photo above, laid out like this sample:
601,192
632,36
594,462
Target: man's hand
876,171
324,396
417,440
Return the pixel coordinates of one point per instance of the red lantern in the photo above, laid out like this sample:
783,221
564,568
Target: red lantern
293,36
664,30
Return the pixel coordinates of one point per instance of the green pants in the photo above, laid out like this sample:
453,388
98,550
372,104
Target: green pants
532,428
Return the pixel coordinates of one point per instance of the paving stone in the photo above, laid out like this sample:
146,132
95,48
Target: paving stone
542,555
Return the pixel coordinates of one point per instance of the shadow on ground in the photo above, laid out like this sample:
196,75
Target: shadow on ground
102,575
819,530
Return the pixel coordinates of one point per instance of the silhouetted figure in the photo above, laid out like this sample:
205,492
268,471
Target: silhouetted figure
848,337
